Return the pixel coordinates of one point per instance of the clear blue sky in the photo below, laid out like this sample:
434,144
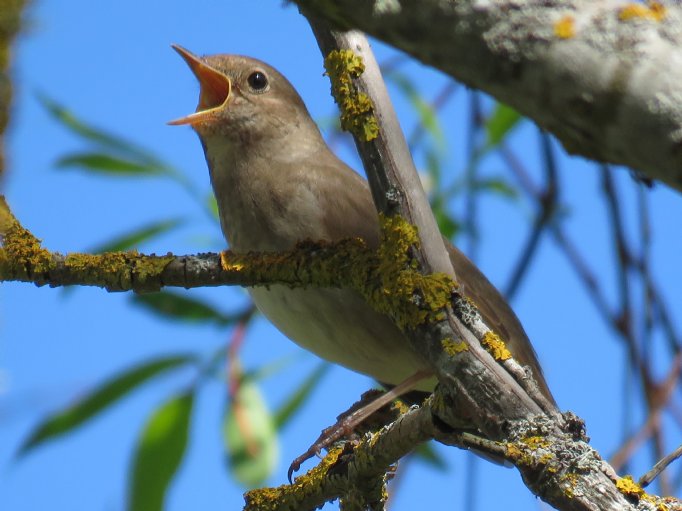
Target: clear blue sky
112,64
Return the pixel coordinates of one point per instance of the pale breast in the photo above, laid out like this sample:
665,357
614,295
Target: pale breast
340,327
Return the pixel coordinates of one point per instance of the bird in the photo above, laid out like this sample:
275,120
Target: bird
277,182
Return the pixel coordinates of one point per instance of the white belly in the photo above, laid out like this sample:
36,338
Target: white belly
340,327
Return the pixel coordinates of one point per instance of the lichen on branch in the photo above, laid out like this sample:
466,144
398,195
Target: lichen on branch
357,111
388,278
23,258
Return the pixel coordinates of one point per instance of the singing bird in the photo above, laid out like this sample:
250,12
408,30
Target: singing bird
276,183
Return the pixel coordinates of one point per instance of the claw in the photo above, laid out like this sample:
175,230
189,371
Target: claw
343,428
346,423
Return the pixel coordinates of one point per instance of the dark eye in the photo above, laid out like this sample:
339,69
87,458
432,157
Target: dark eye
258,81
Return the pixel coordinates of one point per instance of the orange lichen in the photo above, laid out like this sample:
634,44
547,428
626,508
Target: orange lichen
565,27
627,486
653,10
495,346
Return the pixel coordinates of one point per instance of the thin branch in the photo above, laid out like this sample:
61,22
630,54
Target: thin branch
647,430
659,467
23,259
548,204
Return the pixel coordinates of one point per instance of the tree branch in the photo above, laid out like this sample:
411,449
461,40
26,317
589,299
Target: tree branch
319,264
556,461
581,69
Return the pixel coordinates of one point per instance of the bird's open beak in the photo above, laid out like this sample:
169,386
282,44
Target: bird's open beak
215,89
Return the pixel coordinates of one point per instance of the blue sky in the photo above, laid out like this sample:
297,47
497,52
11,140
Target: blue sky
112,64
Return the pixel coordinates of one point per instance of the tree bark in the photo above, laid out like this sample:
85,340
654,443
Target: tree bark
604,77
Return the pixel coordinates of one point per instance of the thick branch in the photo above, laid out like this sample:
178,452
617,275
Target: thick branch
597,75
483,387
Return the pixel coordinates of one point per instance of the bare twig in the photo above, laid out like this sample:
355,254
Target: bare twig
659,467
547,204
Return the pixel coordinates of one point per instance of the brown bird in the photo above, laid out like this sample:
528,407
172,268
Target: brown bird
277,182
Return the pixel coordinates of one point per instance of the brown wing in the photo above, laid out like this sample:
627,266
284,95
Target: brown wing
351,213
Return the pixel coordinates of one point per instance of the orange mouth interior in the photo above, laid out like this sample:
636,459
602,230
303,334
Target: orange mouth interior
215,89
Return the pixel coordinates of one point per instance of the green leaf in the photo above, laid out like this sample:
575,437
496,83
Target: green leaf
449,227
172,305
300,395
434,165
212,205
108,164
427,115
113,154
500,123
101,398
137,237
97,135
250,436
266,370
427,454
159,452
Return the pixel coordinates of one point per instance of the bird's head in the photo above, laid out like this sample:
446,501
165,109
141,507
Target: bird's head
242,99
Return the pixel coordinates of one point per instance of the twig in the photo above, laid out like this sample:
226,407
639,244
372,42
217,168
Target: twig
659,467
547,203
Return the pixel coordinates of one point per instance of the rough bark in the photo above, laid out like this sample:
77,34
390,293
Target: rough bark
604,77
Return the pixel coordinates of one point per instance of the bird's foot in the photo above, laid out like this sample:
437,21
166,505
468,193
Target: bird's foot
344,428
369,403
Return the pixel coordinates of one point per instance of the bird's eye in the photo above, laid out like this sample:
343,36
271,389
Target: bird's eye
258,81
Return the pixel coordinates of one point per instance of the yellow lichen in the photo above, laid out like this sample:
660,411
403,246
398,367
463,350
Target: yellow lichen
495,346
118,270
657,10
653,10
290,495
399,407
661,503
150,267
357,111
565,27
536,442
453,347
513,451
228,265
404,293
23,253
569,482
531,451
627,486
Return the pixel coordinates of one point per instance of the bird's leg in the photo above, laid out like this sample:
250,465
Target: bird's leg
356,415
